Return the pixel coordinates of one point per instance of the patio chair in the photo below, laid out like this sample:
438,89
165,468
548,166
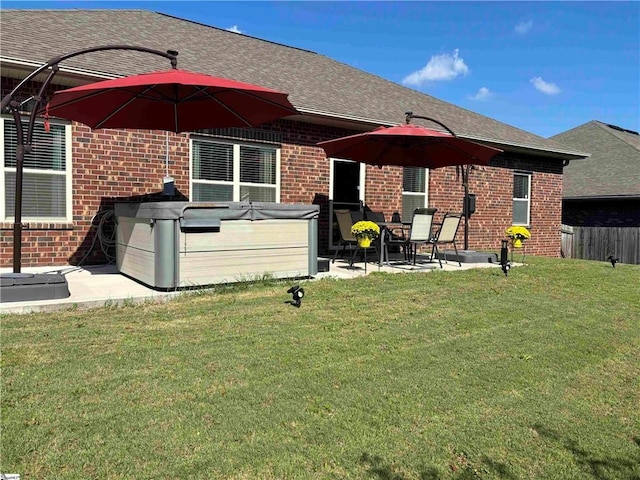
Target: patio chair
377,217
356,215
343,217
420,232
446,235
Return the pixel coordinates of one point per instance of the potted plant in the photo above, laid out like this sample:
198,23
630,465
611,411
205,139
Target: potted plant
365,231
517,234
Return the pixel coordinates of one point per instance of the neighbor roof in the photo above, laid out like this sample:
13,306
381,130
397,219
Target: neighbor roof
612,170
315,83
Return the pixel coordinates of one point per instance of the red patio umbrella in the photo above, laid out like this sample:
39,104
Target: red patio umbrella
173,100
410,146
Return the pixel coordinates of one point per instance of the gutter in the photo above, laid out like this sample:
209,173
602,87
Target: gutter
322,113
71,71
631,196
575,155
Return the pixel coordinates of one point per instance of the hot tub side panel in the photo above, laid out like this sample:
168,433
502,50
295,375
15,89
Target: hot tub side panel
135,249
244,250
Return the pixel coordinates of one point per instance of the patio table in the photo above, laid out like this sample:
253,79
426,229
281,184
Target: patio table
386,229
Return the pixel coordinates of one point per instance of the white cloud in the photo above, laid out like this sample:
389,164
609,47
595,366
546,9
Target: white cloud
523,27
235,29
440,67
545,87
483,94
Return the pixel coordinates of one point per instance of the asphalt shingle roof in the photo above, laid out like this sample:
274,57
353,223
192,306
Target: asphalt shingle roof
314,82
613,169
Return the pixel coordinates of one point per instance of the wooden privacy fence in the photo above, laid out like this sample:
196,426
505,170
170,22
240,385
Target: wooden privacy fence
597,243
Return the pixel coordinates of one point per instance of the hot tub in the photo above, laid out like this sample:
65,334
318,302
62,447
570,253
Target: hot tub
168,245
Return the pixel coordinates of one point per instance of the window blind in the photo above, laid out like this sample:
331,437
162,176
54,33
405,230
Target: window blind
213,161
413,179
257,165
48,151
413,191
44,181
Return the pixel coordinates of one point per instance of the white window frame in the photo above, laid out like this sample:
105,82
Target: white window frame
236,184
526,200
424,195
68,139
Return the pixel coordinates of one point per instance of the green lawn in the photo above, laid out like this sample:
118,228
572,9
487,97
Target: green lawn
443,375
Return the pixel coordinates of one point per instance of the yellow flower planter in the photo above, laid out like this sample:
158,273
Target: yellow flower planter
517,234
364,242
365,231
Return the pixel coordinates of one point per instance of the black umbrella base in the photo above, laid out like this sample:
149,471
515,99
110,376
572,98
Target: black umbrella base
468,256
26,287
323,264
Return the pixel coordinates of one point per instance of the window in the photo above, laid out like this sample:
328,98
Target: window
414,191
521,198
46,181
225,171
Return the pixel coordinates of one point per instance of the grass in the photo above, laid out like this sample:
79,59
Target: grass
444,375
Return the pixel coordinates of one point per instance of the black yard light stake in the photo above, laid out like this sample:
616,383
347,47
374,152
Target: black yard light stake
297,293
504,257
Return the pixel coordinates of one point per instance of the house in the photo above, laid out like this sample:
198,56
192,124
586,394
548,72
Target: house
601,195
603,190
77,174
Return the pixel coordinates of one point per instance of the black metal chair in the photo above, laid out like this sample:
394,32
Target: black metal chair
343,217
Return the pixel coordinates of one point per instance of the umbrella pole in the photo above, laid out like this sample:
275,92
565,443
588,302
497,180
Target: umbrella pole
17,212
410,115
24,146
465,183
465,175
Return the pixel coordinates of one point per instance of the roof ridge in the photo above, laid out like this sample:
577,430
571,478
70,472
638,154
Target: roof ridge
229,31
619,134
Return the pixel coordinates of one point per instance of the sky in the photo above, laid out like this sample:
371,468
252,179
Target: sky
544,67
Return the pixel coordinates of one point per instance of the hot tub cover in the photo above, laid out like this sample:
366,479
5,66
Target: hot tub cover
194,211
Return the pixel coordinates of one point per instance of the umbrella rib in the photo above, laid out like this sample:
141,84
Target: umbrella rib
386,148
121,107
75,100
447,145
248,94
389,145
265,100
458,149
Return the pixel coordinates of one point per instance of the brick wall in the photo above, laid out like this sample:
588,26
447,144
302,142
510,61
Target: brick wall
601,213
493,186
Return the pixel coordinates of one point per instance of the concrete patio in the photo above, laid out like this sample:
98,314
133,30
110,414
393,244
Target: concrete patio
100,285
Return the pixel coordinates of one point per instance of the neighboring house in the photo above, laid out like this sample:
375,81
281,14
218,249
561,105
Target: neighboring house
82,172
604,189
